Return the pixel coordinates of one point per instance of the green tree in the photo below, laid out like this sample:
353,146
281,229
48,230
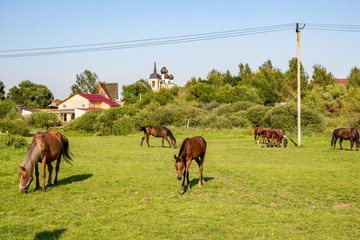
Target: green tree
85,83
2,91
273,75
131,93
290,86
201,92
267,94
354,77
215,78
245,71
31,94
321,77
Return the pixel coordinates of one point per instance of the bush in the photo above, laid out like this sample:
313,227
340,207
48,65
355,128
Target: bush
256,115
84,123
123,126
43,120
17,126
285,116
5,107
7,140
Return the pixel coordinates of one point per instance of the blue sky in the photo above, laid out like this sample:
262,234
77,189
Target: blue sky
36,24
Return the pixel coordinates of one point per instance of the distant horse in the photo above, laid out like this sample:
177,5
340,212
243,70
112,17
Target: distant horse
257,133
157,132
347,134
270,136
191,148
282,136
45,148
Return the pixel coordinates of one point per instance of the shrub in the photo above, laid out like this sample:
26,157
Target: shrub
5,107
256,114
285,116
17,126
7,140
123,126
84,123
43,120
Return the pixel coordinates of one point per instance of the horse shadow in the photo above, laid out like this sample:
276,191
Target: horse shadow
49,234
195,181
75,178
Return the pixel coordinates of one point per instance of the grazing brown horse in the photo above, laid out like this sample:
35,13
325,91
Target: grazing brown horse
45,148
270,136
157,132
282,136
191,148
347,134
257,133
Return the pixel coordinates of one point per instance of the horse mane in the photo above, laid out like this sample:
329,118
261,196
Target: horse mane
32,155
182,148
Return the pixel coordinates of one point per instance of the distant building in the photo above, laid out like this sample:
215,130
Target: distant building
80,103
342,81
108,90
164,81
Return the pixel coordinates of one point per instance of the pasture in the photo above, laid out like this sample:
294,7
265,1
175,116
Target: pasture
116,189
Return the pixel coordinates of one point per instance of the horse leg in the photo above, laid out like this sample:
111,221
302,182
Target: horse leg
335,142
142,140
50,168
43,174
183,184
57,169
168,142
200,163
340,142
37,176
351,144
147,141
162,142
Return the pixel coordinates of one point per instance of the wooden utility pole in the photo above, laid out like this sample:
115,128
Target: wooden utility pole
299,85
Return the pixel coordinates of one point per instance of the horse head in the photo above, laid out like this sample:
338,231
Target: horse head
173,142
25,179
179,165
357,145
285,142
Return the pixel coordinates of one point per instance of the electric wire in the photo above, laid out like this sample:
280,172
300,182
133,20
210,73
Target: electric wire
142,43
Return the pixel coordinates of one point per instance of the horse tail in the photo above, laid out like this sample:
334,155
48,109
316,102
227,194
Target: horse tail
171,136
333,137
66,150
141,128
356,135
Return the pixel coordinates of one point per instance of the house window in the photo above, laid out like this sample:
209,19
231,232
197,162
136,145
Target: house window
64,105
153,84
94,105
82,105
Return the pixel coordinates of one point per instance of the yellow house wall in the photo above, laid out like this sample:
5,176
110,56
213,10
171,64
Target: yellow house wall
75,101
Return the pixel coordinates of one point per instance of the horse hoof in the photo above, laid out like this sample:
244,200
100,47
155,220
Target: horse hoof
200,185
42,190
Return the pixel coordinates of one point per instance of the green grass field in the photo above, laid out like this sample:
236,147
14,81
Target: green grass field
117,190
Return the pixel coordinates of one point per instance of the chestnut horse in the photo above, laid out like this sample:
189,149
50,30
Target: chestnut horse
282,136
45,148
347,134
191,148
257,133
157,132
270,136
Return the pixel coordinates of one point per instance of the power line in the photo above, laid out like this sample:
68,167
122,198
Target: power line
141,43
107,46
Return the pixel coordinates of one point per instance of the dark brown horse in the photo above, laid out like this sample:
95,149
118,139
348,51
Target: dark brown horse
157,132
347,134
45,148
270,136
257,133
282,136
191,148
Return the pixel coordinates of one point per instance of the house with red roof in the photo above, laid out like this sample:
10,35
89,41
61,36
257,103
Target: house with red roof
80,103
